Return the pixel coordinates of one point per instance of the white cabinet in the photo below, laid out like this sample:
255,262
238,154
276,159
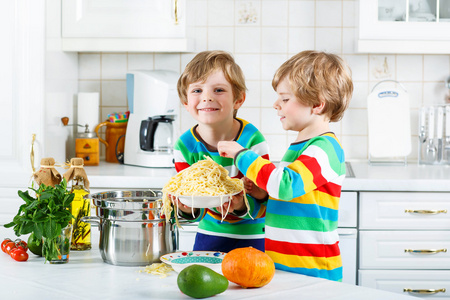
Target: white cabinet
117,25
404,242
347,223
22,101
404,26
427,284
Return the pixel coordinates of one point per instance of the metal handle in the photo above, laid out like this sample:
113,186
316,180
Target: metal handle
426,251
426,211
176,11
32,152
425,291
387,80
94,221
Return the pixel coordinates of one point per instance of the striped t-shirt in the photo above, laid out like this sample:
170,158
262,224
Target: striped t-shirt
190,148
302,210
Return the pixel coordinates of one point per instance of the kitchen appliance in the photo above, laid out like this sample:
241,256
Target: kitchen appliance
154,104
86,144
388,124
87,147
132,230
434,135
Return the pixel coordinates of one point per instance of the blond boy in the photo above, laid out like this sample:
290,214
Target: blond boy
314,89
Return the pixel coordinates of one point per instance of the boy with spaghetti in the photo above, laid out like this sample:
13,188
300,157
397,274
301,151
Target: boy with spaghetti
212,88
314,89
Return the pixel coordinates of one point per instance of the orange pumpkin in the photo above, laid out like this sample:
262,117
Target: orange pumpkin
248,267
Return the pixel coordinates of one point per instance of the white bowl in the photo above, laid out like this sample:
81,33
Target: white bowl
205,201
181,260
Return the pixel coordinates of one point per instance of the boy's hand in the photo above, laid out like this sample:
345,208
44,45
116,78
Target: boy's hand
184,208
228,149
253,190
236,203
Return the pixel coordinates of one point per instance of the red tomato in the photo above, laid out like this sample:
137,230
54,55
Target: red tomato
19,255
5,241
9,246
23,244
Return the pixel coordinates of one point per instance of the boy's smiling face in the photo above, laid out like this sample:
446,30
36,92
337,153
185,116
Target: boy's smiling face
212,102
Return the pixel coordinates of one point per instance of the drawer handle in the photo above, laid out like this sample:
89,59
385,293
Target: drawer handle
427,291
426,251
424,211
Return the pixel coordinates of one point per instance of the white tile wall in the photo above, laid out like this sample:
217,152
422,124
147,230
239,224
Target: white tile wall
262,34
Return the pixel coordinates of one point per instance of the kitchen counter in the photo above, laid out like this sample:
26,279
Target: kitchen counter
410,177
86,276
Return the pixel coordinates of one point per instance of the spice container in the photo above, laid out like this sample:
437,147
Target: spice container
434,135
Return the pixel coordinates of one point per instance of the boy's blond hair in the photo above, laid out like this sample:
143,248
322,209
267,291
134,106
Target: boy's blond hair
318,76
207,62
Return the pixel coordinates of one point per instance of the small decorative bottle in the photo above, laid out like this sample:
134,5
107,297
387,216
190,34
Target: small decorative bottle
81,231
81,207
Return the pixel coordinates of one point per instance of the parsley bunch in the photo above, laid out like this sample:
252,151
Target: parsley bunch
44,216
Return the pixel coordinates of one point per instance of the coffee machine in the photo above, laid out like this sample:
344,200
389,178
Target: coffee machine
154,105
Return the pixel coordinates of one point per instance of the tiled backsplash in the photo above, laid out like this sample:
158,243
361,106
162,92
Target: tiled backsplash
262,34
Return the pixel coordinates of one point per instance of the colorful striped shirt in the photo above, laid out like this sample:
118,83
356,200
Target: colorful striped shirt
302,210
190,148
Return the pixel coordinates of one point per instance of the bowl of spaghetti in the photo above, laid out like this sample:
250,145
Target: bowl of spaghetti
205,184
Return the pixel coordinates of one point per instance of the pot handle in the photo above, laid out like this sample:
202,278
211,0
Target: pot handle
94,221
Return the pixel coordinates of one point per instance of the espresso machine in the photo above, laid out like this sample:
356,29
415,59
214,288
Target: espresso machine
154,105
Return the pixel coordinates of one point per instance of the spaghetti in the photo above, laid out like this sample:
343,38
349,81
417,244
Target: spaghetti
204,178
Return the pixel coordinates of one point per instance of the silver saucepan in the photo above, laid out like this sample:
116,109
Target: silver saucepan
132,230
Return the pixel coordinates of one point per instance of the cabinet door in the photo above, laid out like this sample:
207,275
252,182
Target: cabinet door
404,210
401,26
347,245
123,19
10,203
22,86
437,283
404,250
348,209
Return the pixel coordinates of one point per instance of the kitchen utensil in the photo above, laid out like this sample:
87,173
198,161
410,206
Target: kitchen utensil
440,132
153,102
115,139
447,133
132,230
181,260
388,124
87,147
205,201
430,148
423,126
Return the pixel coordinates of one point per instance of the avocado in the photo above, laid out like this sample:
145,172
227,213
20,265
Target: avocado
198,281
34,244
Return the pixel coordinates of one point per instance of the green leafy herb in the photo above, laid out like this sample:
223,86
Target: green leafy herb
44,216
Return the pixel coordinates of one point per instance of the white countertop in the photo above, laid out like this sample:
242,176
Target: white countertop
410,177
86,276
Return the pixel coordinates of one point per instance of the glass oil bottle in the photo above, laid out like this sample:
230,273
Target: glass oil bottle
81,231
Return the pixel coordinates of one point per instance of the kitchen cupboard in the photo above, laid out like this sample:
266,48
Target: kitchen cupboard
125,26
29,79
404,242
22,95
404,26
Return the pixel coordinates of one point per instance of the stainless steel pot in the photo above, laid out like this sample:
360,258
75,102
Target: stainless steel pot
132,230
